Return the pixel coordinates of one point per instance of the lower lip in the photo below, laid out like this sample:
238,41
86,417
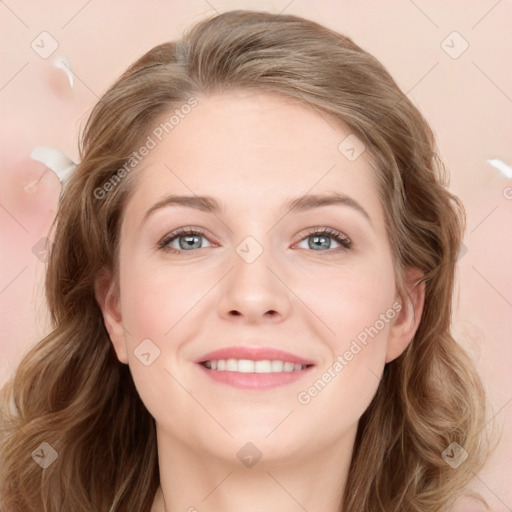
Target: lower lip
256,381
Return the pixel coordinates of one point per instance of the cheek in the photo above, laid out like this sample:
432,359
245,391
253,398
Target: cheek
161,310
357,311
150,307
349,299
154,297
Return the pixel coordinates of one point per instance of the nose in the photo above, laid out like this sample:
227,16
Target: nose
255,290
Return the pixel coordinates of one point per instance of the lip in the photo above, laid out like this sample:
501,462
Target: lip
254,381
254,353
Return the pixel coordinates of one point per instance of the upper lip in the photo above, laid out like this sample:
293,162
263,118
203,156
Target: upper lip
253,353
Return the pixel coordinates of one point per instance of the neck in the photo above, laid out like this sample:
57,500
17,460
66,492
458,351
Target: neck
197,482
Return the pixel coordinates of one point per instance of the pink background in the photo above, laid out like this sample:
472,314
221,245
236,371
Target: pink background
467,98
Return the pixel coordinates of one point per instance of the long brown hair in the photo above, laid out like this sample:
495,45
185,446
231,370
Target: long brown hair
71,392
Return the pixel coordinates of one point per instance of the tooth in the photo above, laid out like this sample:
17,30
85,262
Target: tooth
277,366
288,367
246,366
263,367
250,366
232,365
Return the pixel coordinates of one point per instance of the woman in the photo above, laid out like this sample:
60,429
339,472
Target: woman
267,368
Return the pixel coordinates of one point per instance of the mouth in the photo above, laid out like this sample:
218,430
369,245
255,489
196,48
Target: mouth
256,368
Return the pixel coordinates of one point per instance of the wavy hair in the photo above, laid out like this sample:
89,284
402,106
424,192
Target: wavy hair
70,390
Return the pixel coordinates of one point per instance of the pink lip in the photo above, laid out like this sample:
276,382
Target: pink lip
254,353
254,381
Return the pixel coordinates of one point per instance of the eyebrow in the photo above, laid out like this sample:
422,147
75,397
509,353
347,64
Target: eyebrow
293,205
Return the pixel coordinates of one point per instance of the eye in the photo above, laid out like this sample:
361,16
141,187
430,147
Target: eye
320,239
191,240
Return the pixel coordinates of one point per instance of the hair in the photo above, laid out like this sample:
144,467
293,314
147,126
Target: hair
71,391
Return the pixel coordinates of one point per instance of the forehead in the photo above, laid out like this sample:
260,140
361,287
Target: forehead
252,148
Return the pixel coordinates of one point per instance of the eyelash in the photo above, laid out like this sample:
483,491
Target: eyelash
343,240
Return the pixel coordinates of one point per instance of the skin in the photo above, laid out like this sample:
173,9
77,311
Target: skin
253,151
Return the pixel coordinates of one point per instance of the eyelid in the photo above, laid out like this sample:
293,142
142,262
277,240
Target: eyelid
325,229
181,231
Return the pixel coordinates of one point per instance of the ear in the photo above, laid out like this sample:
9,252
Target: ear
406,323
107,297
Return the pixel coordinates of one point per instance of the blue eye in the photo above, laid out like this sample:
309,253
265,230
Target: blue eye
191,240
320,235
190,237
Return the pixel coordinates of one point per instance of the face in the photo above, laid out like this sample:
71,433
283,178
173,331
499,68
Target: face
312,285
